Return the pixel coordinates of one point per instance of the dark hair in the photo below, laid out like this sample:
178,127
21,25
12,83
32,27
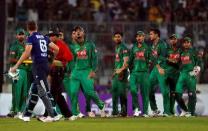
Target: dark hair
119,33
73,30
31,26
156,31
78,28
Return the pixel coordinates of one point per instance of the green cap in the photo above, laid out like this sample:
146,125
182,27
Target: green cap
140,33
187,39
20,30
173,36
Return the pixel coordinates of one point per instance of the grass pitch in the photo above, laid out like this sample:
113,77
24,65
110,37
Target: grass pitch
109,124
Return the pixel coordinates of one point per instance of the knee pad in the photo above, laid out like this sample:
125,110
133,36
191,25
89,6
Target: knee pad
41,91
50,96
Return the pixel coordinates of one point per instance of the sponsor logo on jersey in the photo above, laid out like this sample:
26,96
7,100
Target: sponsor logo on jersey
140,55
82,54
185,59
174,56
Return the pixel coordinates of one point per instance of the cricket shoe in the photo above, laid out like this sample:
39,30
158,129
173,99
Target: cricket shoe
145,115
91,114
185,114
102,112
72,118
166,115
137,112
18,114
58,117
176,115
114,116
24,118
46,119
80,115
156,112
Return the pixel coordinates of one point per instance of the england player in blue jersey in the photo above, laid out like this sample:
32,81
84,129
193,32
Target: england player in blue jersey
37,48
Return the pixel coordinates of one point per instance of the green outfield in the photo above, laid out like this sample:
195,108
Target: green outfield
109,124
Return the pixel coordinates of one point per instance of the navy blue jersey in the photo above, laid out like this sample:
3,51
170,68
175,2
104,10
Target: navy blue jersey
39,47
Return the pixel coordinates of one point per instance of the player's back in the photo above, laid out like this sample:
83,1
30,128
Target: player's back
39,47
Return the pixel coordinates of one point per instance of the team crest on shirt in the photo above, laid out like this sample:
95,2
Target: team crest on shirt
82,54
174,57
185,59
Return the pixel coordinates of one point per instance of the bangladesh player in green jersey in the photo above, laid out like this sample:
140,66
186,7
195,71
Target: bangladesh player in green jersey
66,80
119,82
21,86
83,72
188,72
158,75
139,67
172,71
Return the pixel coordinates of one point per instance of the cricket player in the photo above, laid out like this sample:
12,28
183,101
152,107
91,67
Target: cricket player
37,47
66,80
119,82
139,67
83,72
158,75
189,70
21,86
173,61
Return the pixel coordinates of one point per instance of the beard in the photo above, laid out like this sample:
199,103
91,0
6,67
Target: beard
118,42
21,40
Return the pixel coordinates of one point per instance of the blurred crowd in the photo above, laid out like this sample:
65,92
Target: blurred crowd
109,10
167,13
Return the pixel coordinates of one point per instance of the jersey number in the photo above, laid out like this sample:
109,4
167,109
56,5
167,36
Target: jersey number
43,46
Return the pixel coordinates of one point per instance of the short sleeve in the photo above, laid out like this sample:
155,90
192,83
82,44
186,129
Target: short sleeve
47,40
29,40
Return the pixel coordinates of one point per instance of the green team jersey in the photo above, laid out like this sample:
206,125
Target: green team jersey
85,56
173,54
15,52
188,60
121,51
139,58
69,65
159,54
